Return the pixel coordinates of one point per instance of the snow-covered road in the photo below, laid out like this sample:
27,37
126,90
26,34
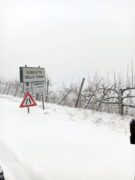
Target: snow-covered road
63,143
13,168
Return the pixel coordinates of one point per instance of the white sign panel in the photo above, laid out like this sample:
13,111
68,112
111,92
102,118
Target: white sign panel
27,87
38,87
32,74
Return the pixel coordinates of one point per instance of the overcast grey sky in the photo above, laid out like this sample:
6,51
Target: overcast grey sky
70,38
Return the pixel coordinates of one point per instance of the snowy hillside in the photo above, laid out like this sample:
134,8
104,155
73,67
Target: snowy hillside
62,143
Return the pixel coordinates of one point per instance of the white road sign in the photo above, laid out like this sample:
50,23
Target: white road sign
32,74
38,87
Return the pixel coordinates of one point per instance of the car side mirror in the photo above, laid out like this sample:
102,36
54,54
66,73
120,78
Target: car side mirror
132,131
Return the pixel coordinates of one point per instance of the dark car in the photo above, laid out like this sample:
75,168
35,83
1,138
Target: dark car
1,174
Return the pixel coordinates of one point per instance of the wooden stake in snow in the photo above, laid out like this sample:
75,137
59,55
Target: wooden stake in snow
79,94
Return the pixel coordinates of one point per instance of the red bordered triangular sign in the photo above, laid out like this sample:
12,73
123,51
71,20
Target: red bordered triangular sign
28,101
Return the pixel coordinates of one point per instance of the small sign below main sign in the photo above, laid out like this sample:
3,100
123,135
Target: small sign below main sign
38,87
28,101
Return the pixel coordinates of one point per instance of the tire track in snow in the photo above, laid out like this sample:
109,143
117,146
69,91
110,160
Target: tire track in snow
15,168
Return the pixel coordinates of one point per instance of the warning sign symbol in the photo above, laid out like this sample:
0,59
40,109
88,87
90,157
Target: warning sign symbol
28,101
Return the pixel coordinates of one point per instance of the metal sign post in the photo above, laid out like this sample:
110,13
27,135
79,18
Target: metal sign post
43,104
28,110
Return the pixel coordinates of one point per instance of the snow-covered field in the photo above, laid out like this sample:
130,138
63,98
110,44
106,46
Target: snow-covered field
62,143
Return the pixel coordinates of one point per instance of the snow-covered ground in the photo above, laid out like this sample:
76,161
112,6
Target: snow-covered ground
62,143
